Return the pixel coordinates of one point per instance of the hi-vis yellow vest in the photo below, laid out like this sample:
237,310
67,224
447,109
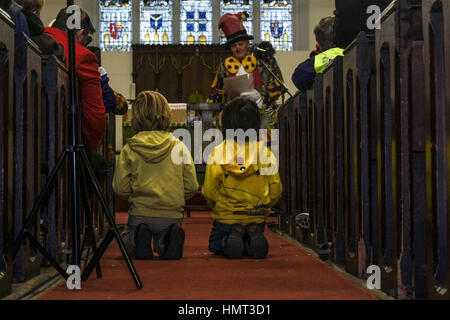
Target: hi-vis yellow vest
322,60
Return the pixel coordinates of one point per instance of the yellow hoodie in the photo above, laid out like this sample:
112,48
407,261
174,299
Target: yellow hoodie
154,185
238,185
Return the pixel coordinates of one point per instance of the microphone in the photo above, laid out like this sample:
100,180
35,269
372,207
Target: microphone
264,50
255,48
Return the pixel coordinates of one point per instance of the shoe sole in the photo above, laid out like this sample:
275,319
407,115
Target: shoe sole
259,247
143,249
176,243
235,247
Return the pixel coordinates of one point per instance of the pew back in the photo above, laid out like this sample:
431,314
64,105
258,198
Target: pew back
33,134
377,160
6,160
436,24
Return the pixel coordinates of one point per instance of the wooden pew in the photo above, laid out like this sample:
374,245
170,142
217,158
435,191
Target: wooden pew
316,166
333,117
283,167
292,137
6,143
32,137
436,24
361,228
380,146
292,121
33,122
55,96
27,79
291,179
299,164
400,111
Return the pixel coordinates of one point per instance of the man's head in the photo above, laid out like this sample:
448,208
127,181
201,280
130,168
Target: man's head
324,33
83,35
34,6
240,49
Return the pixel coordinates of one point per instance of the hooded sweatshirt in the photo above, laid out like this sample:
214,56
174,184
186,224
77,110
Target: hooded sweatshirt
153,183
241,183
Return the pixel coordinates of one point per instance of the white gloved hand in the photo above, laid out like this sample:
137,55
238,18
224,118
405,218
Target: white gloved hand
102,71
253,95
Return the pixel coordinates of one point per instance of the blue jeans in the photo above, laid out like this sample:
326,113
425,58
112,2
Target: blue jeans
219,236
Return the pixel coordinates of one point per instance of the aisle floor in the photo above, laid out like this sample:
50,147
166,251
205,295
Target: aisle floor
289,273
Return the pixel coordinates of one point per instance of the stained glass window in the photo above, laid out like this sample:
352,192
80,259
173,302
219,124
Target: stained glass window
276,23
236,6
156,22
116,25
196,22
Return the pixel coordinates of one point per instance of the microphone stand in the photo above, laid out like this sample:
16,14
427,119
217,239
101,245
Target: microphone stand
285,89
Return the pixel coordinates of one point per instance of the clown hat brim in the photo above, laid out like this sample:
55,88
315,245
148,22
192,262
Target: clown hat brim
238,36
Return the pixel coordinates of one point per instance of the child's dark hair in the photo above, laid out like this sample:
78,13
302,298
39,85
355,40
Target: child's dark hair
241,114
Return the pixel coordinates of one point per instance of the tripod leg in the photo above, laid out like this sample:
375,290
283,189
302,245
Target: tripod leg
114,231
97,255
38,204
75,202
89,233
35,244
93,244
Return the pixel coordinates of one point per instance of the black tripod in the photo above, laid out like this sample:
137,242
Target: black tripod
265,51
77,157
285,89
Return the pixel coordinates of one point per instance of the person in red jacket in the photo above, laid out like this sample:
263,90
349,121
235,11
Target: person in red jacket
93,121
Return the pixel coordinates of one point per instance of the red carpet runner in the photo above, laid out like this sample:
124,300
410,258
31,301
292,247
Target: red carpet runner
289,273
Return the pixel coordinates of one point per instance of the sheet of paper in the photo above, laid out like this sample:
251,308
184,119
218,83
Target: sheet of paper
237,85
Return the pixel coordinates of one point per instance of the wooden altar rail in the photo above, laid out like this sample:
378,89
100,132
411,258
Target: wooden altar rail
364,152
33,134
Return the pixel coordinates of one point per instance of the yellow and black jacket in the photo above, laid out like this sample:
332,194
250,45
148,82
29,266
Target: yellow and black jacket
241,191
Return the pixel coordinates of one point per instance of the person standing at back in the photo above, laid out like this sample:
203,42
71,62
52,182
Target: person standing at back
306,71
351,19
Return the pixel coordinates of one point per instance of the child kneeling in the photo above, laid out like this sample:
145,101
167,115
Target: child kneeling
241,185
156,186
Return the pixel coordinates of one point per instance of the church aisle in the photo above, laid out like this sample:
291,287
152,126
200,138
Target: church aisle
289,273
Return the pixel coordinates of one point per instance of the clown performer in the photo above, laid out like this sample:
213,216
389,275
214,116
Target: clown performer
266,90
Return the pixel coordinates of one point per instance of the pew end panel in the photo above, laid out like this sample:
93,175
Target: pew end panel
7,49
436,270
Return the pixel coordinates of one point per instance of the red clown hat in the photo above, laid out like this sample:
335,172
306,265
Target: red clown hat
232,27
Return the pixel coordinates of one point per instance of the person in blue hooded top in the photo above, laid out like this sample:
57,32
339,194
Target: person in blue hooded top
306,71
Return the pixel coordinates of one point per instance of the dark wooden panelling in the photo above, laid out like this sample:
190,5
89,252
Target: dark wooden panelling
177,71
6,143
436,24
